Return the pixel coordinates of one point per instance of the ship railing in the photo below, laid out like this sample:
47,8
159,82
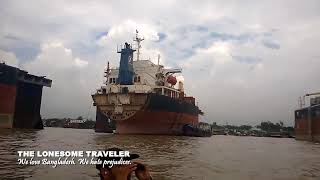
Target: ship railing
167,91
32,79
117,88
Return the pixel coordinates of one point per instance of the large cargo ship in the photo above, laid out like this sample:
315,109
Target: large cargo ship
142,97
307,119
20,98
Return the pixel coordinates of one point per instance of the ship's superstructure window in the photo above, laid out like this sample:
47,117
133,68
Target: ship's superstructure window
136,79
315,111
112,80
301,114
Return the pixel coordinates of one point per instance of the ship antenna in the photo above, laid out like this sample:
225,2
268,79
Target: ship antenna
108,67
158,59
107,71
138,40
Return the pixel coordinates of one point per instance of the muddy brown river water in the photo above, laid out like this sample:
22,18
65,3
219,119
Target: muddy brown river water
169,157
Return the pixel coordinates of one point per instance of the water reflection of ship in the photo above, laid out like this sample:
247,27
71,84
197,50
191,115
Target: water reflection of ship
143,98
307,119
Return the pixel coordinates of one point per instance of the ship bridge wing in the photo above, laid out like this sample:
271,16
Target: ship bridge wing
172,71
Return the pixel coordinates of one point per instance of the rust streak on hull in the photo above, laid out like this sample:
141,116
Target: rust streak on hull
307,124
156,122
7,105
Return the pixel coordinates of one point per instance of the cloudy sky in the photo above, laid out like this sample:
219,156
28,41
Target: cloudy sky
244,61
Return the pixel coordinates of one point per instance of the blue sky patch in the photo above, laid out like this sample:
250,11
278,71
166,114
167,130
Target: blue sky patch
162,36
247,59
226,37
271,44
98,35
23,53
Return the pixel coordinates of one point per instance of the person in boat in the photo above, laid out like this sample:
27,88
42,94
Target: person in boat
123,172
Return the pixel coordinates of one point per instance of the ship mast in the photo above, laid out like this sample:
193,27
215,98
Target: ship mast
138,40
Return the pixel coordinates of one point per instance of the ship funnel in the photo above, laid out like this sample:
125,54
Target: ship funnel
126,72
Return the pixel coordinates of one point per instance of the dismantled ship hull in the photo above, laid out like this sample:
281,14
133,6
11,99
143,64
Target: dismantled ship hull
307,124
307,121
20,98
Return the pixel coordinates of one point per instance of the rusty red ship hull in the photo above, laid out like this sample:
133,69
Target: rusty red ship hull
307,123
160,115
156,122
7,104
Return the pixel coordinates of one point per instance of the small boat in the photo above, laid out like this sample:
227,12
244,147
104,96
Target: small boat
189,130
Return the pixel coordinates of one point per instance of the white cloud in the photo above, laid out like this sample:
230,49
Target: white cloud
54,56
80,63
9,58
125,31
69,94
